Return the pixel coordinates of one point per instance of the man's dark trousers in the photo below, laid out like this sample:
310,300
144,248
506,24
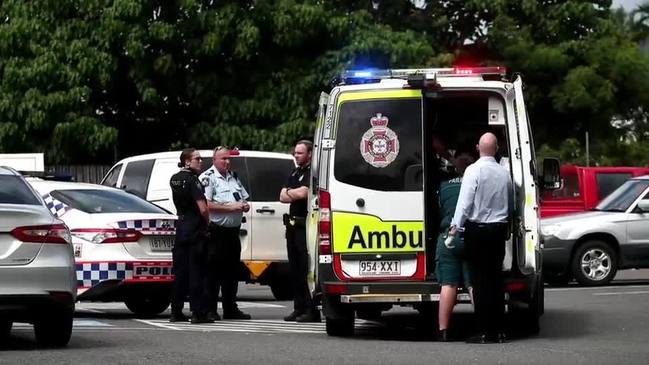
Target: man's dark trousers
298,259
227,265
485,250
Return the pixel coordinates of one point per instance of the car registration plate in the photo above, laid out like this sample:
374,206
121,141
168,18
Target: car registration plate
162,243
379,268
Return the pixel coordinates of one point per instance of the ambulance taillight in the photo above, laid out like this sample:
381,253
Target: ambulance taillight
324,225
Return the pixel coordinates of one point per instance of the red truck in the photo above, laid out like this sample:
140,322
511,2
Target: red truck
584,187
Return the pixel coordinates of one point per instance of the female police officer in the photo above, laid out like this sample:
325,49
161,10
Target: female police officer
191,233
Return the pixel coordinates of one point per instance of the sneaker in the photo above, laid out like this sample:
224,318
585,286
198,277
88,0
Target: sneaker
291,317
313,316
236,315
198,319
178,317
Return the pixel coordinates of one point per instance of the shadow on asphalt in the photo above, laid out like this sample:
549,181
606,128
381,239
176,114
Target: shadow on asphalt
25,341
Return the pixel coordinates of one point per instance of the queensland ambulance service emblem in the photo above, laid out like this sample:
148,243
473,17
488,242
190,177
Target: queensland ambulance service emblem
379,145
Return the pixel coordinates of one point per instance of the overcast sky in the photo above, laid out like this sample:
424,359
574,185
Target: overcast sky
627,4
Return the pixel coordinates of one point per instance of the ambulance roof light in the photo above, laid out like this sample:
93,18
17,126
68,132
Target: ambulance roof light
364,76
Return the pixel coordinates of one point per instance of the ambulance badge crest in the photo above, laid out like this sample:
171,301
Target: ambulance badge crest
379,144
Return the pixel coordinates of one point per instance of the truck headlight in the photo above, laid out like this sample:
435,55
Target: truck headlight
550,230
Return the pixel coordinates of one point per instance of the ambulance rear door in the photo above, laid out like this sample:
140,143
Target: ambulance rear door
375,186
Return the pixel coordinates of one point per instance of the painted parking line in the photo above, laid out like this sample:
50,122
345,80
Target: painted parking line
624,293
275,326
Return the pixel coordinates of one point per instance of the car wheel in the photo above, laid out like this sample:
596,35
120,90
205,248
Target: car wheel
5,328
594,263
54,329
281,291
146,306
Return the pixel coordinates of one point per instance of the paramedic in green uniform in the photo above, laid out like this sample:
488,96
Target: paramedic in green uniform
451,267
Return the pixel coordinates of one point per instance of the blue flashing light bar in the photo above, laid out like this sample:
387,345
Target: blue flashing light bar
361,76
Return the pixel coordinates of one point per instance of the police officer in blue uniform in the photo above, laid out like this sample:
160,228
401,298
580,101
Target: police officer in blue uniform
189,262
296,192
226,201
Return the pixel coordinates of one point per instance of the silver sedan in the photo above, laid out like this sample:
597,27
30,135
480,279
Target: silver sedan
37,278
591,246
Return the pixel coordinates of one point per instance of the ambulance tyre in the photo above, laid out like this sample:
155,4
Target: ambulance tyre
147,305
339,319
54,328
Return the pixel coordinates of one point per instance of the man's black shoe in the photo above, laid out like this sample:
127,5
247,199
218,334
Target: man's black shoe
313,316
291,317
178,317
236,315
501,338
442,336
198,319
213,315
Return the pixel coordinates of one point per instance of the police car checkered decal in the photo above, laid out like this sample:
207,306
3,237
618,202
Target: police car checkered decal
149,225
91,274
55,206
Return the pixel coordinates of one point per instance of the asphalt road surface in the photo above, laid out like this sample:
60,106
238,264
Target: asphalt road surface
605,325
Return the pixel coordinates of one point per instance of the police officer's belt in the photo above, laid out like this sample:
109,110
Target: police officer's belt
296,221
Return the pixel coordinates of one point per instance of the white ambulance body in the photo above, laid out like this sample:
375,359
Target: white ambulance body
374,221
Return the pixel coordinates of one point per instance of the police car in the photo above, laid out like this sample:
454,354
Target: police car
122,243
373,212
263,174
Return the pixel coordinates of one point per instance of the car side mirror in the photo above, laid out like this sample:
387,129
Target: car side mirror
551,179
643,205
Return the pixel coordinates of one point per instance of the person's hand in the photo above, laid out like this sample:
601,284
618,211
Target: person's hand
452,231
246,206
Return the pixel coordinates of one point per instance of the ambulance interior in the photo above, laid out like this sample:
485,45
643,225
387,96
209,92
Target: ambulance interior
453,124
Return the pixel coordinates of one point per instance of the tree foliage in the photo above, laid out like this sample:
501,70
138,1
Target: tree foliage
95,80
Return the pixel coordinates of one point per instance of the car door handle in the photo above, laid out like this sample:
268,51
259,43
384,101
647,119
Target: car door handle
243,232
265,210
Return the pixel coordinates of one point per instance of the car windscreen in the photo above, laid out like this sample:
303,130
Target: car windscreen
105,201
13,190
624,196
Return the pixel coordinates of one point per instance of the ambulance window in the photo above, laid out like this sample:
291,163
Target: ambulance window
375,155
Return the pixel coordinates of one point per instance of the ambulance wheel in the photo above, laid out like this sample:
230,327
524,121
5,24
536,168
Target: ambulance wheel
5,329
148,305
342,326
54,328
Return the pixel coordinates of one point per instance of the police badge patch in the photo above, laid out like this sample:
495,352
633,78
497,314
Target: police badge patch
379,145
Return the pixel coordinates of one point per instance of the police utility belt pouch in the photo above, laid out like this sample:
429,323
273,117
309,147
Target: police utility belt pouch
297,221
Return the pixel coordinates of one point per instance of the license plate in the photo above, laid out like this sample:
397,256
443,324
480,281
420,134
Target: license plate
379,268
162,243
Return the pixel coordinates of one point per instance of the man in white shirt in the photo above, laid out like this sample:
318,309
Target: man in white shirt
483,211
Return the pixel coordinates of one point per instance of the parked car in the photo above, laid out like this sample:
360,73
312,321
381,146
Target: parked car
592,246
584,187
37,279
263,174
122,243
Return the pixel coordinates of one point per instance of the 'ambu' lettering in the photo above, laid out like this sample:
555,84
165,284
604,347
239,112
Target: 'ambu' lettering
385,239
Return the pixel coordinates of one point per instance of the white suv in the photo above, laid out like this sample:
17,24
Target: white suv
37,278
263,245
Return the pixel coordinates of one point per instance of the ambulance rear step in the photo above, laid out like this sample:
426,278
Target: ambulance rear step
398,298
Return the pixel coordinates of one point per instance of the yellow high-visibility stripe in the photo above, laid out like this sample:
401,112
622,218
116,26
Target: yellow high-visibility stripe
378,94
364,233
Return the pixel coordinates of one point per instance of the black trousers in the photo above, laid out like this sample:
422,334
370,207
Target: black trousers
224,257
189,267
298,259
485,251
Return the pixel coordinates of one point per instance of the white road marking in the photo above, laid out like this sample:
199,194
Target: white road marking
77,323
624,293
253,326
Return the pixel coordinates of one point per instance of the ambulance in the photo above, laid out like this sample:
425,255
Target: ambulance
373,216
